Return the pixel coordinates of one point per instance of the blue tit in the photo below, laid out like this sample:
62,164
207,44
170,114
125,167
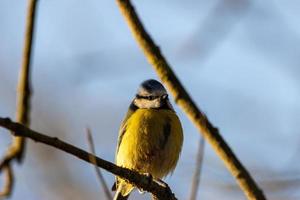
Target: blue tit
150,136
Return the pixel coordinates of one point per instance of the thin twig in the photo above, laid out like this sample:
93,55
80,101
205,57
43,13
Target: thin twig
16,149
146,183
9,179
183,99
93,160
198,169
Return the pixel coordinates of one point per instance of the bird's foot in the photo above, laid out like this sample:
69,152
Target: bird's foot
158,181
149,177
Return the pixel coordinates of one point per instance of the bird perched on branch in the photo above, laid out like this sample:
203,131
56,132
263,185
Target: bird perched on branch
150,136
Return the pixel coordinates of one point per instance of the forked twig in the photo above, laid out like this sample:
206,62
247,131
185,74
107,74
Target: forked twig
16,149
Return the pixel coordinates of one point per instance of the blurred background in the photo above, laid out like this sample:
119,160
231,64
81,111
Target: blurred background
239,59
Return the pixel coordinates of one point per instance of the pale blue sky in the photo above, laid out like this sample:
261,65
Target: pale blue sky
239,60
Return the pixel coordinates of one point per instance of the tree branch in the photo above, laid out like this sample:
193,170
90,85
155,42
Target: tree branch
97,170
183,99
16,149
9,180
198,168
146,183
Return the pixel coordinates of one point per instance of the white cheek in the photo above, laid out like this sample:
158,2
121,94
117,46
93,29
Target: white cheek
144,103
156,103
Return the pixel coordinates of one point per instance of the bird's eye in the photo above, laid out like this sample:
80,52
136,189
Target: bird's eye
151,97
146,97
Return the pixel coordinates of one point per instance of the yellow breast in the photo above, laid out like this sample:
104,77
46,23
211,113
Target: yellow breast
151,142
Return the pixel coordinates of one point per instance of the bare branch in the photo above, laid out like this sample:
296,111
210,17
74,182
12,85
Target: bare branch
198,168
183,99
93,160
146,183
16,149
9,180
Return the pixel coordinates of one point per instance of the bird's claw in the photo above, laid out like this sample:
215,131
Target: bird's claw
158,181
149,177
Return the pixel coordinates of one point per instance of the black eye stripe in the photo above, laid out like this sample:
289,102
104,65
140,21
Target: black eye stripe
146,97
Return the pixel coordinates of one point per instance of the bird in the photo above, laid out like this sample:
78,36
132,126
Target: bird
150,136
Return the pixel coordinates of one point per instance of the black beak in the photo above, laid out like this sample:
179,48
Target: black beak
164,97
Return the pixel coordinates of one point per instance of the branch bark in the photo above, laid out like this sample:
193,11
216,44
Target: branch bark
16,149
183,99
146,183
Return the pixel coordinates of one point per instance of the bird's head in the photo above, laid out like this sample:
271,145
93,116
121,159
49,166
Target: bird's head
152,94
